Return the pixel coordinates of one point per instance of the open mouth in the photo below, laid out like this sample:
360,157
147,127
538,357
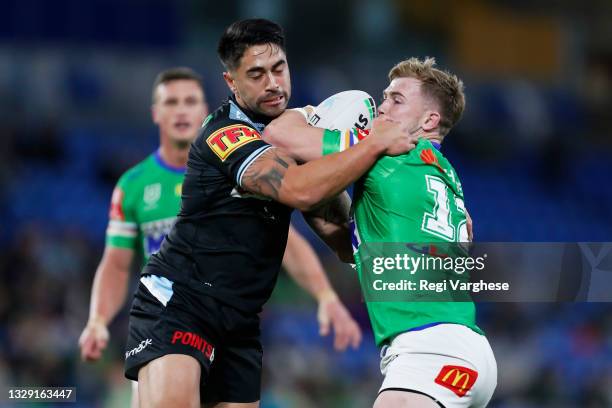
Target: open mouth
275,101
182,126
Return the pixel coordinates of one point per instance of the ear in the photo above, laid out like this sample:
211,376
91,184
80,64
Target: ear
229,81
154,114
431,120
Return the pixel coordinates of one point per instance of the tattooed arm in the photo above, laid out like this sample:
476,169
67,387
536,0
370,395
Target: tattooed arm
276,175
267,176
305,187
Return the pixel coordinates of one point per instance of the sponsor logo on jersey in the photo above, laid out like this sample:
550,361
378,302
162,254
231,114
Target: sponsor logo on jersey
152,194
227,140
195,341
457,379
154,232
178,189
143,344
428,157
116,209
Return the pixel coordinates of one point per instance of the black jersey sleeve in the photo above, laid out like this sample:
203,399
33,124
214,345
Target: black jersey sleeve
232,146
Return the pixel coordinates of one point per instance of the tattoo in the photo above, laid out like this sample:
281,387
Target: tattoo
265,175
280,161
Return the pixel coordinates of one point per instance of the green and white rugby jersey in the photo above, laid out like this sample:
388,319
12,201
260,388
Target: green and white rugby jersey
412,198
144,206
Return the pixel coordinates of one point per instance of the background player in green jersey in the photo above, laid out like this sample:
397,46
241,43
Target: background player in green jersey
434,353
144,207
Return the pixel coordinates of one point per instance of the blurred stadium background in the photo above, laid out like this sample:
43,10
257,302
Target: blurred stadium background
534,151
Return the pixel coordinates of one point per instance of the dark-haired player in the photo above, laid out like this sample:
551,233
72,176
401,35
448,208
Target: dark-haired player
194,325
145,203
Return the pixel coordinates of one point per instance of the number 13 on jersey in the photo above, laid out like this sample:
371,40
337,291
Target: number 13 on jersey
439,222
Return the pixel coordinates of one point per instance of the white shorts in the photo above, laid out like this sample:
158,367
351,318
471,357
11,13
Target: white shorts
449,362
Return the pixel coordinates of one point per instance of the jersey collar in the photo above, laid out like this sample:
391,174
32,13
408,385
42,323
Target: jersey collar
437,145
254,117
159,160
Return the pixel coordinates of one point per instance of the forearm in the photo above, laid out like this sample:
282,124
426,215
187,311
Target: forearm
291,133
307,185
275,174
108,292
303,265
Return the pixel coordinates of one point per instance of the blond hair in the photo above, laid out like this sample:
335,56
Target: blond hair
443,87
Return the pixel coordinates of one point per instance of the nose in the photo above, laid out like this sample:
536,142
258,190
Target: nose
182,109
272,82
382,107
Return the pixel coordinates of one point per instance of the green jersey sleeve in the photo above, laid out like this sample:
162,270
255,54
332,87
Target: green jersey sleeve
335,141
122,230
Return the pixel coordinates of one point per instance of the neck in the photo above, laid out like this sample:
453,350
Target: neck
433,137
174,154
241,104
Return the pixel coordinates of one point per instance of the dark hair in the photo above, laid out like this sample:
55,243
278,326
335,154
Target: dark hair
175,74
245,33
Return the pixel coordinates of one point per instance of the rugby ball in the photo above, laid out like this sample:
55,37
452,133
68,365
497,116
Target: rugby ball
345,110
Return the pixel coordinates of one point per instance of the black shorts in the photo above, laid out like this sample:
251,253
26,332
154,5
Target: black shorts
224,340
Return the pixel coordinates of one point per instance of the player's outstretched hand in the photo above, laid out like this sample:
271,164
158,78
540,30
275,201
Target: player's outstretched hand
333,314
93,340
390,133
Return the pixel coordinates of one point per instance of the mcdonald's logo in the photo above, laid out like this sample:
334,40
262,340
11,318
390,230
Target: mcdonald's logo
457,379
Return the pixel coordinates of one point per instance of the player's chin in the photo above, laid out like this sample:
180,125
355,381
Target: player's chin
183,137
